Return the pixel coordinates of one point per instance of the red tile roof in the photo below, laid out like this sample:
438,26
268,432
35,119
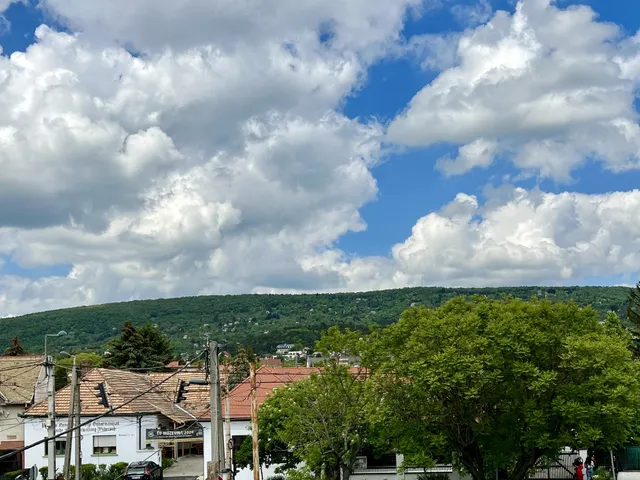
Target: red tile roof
11,445
18,378
267,380
121,386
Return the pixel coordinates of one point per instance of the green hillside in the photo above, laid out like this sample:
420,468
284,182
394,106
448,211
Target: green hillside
262,321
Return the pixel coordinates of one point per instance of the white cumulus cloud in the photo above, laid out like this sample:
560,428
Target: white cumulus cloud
552,87
179,148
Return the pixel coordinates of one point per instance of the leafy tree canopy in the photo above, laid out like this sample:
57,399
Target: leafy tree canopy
240,366
138,348
504,384
16,349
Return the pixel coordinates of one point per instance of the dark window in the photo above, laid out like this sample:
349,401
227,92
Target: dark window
61,446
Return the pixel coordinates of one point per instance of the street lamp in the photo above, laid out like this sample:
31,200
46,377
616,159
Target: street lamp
61,333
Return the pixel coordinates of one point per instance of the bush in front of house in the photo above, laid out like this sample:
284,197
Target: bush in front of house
602,473
167,462
44,472
13,475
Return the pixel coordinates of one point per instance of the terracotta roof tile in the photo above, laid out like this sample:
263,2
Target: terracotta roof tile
267,380
11,445
18,378
121,386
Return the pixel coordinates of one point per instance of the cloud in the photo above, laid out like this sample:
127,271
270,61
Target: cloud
472,15
518,238
174,173
552,87
364,26
216,159
479,153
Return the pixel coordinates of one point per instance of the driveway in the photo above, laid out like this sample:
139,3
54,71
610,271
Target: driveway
189,467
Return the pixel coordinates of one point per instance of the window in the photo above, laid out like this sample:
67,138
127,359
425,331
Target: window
104,445
61,446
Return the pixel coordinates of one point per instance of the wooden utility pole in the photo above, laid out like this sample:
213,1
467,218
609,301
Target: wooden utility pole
213,467
254,420
78,435
227,419
72,407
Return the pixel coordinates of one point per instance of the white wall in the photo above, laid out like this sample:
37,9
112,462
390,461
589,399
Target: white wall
238,428
10,424
125,429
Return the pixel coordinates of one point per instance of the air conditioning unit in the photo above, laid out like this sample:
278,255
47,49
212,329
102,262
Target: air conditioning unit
361,463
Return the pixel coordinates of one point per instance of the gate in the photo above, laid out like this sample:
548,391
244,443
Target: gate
560,469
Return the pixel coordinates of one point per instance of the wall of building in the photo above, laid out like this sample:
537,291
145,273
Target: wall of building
129,437
10,424
238,428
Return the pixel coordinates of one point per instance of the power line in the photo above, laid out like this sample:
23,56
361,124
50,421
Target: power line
111,410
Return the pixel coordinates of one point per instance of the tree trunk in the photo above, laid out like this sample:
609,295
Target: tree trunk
346,472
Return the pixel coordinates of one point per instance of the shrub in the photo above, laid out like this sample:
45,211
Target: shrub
602,473
167,462
13,475
44,473
89,471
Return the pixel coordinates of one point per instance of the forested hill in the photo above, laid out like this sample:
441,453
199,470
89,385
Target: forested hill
262,321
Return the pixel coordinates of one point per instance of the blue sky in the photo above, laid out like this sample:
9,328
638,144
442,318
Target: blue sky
428,170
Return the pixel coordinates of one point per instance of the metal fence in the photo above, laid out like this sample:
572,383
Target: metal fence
560,469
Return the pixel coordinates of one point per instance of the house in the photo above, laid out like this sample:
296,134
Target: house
369,467
271,362
283,348
155,425
267,379
22,383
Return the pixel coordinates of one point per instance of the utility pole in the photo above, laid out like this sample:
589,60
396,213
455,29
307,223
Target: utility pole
254,420
51,417
78,446
72,407
213,467
227,418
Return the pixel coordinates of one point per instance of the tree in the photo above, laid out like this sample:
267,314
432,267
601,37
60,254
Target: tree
84,361
321,421
139,348
16,349
504,384
633,306
239,366
633,317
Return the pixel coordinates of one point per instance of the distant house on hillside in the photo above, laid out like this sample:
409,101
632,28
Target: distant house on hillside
283,348
271,362
22,383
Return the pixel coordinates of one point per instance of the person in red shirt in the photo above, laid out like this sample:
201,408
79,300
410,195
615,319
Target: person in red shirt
580,471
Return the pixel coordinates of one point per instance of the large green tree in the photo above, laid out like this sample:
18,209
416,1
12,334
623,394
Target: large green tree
322,421
504,384
138,348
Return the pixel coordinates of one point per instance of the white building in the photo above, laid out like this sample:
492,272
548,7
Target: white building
145,429
22,382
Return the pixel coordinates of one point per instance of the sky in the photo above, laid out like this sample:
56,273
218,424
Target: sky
158,148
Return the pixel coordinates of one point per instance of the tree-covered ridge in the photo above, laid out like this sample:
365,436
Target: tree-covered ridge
263,321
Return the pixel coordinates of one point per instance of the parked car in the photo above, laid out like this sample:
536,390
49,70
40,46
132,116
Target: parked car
143,471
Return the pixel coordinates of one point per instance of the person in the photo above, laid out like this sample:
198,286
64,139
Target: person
580,471
590,465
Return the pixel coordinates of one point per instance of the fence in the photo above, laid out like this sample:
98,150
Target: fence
560,469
